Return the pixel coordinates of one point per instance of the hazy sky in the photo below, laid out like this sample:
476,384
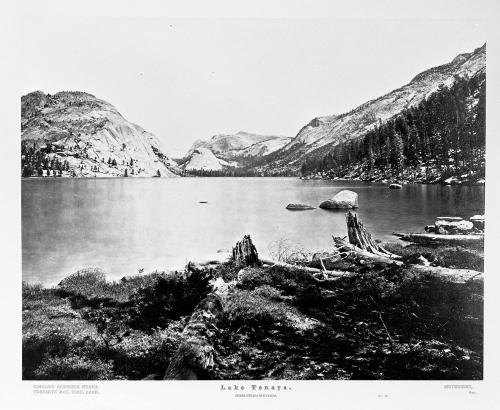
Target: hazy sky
189,79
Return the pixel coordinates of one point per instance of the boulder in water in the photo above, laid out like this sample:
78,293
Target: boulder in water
395,186
343,200
299,207
454,227
478,221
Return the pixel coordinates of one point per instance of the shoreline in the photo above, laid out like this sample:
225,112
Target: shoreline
482,182
277,321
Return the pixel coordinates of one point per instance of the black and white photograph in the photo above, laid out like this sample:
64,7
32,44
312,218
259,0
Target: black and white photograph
258,202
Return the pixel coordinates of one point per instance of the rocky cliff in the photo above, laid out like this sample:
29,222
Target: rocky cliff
77,134
322,133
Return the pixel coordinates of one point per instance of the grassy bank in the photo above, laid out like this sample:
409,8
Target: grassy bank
278,323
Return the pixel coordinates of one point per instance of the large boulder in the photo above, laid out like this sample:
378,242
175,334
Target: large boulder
453,227
299,207
343,200
478,221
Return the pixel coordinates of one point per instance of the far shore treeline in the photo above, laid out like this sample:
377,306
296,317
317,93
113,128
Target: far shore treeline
445,134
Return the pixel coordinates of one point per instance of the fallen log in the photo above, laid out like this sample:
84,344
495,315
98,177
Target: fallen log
436,239
450,275
328,273
196,355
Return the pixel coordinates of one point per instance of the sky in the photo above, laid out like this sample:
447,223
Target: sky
186,79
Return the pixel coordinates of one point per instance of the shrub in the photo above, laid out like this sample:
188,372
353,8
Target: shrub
449,257
255,309
37,346
31,291
283,250
88,287
251,278
73,367
140,354
169,298
86,282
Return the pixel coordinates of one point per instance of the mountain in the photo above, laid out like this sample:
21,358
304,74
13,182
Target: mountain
241,145
321,134
204,160
76,134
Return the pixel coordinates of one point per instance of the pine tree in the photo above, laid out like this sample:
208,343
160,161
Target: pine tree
397,157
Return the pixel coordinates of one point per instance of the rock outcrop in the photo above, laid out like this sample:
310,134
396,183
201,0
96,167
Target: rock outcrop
204,159
89,136
241,145
343,200
299,207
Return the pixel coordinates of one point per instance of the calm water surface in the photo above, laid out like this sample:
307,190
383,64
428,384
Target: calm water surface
122,225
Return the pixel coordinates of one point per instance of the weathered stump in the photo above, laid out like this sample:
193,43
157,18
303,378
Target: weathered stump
361,238
245,253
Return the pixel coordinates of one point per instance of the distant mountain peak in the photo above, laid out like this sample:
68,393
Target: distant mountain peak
243,144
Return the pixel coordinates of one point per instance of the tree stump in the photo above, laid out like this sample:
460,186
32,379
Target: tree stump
361,238
245,253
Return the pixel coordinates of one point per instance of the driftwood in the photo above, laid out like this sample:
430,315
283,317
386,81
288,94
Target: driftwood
361,238
350,249
327,274
245,253
436,239
450,275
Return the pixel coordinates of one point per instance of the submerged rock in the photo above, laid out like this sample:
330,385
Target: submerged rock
299,207
343,200
395,186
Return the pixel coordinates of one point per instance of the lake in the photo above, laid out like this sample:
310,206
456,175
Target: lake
124,224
